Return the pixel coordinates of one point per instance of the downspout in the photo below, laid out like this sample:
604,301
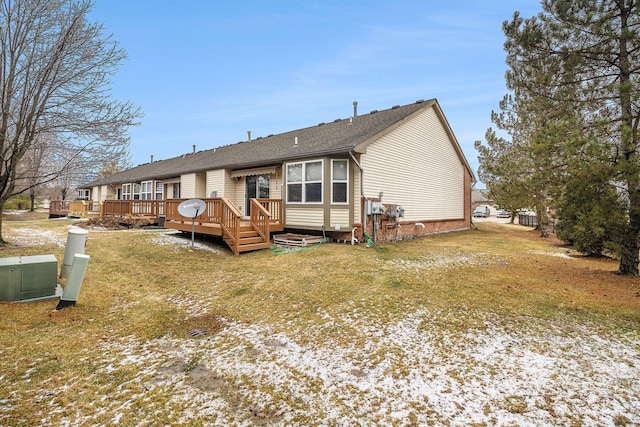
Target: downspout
473,184
364,208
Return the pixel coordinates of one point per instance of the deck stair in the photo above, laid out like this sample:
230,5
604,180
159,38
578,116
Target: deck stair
249,240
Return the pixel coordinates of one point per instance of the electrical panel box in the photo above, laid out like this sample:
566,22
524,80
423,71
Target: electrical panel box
28,277
377,208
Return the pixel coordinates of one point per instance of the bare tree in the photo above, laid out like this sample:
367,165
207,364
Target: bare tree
32,168
55,72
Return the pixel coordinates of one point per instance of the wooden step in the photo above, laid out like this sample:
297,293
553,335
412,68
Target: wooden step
248,233
254,247
250,240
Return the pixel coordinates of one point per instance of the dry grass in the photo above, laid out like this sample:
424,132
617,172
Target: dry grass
123,354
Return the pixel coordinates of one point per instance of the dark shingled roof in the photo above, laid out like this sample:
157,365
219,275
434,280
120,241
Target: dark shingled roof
339,136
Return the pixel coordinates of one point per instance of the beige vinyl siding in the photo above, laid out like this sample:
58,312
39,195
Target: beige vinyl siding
356,196
275,186
305,217
188,186
101,193
217,181
201,185
193,185
236,194
339,219
416,166
107,193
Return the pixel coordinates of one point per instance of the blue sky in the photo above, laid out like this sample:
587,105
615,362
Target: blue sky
206,72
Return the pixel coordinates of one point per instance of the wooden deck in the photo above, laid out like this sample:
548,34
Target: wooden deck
220,218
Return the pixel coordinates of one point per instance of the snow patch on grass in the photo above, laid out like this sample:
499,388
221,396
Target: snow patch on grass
408,372
447,261
177,240
555,254
24,237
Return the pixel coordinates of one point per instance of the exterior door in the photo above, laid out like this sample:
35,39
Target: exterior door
257,186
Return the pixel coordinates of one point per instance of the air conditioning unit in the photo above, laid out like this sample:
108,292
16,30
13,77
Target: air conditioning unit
28,278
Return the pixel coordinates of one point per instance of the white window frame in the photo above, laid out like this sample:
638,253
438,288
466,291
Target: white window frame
146,190
340,181
83,194
126,191
159,190
304,182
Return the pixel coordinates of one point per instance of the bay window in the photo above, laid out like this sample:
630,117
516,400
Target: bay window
304,182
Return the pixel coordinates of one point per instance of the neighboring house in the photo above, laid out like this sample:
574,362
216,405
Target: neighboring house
329,177
480,197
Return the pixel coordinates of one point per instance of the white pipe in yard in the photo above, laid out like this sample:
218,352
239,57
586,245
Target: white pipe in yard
76,242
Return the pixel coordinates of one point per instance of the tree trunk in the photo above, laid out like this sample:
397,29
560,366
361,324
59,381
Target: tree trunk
2,241
543,223
629,144
32,198
629,257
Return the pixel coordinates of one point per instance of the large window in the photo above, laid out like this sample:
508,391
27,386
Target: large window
304,182
126,191
83,194
136,191
159,190
339,180
146,190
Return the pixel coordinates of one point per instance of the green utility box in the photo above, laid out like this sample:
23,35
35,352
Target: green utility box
28,277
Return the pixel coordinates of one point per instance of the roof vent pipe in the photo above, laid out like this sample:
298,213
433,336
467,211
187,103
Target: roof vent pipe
355,108
249,136
295,142
152,158
194,148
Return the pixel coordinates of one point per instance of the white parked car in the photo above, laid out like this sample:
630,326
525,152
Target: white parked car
481,212
503,213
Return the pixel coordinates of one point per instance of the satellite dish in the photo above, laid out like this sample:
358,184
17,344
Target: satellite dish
192,208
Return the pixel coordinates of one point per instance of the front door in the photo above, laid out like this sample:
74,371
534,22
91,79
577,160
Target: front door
257,186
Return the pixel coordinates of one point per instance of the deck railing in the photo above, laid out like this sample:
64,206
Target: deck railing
59,207
212,212
147,208
274,207
85,208
260,219
230,224
266,214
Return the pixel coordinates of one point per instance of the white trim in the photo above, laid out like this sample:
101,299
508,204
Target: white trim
158,190
303,182
146,190
126,191
340,181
